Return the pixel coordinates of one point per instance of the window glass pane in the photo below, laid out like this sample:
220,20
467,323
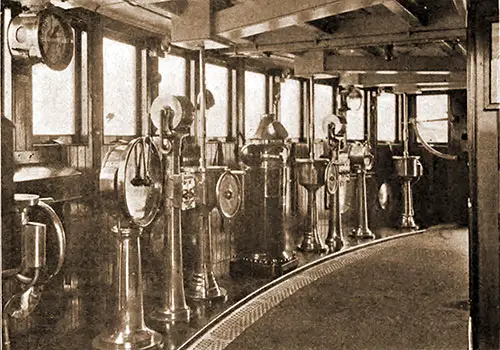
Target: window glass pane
85,86
290,107
53,100
323,106
119,69
255,101
431,107
386,117
355,119
217,80
173,75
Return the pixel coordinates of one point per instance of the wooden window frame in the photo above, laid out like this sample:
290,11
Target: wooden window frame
486,32
428,93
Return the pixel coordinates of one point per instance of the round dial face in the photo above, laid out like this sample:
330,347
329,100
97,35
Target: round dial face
228,191
55,38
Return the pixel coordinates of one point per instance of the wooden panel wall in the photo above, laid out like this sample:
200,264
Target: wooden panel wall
484,184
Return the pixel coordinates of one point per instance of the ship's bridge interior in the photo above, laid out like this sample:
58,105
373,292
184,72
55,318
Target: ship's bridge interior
250,174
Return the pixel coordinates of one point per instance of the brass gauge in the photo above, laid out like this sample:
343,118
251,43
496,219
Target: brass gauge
42,36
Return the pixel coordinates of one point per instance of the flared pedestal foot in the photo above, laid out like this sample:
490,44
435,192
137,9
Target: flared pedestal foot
408,223
311,245
171,316
364,233
335,244
145,339
204,287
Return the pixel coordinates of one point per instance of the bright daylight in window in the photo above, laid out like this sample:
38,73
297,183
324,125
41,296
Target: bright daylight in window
173,75
53,100
217,83
255,101
119,69
290,107
323,106
386,117
355,119
432,113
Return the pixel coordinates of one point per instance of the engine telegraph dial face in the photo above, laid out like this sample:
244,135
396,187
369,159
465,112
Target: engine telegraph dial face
332,178
42,36
228,190
55,38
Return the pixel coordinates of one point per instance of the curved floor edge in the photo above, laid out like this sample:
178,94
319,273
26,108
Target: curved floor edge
218,333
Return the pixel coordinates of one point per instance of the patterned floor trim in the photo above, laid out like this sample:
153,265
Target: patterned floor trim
219,333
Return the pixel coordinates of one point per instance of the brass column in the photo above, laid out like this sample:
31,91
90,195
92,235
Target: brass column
129,330
174,307
203,284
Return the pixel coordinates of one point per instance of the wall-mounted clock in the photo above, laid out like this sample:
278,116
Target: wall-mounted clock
42,36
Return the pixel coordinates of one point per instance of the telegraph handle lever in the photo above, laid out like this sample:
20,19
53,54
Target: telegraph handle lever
166,129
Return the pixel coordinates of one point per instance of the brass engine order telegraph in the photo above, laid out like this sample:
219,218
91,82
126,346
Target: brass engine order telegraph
219,187
131,184
336,173
33,252
361,161
408,169
41,37
312,177
173,116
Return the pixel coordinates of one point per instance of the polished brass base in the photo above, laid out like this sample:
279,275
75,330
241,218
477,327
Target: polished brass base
408,223
334,244
312,244
362,232
128,331
143,339
170,315
203,286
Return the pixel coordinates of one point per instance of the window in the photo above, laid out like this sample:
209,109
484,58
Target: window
290,107
120,95
323,106
53,100
217,82
355,119
432,112
255,101
386,117
173,75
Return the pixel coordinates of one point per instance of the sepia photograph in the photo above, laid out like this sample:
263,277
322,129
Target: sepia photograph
250,174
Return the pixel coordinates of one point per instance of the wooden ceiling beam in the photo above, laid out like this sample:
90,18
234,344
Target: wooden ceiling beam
311,29
374,79
376,51
344,42
261,16
409,11
315,62
418,88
